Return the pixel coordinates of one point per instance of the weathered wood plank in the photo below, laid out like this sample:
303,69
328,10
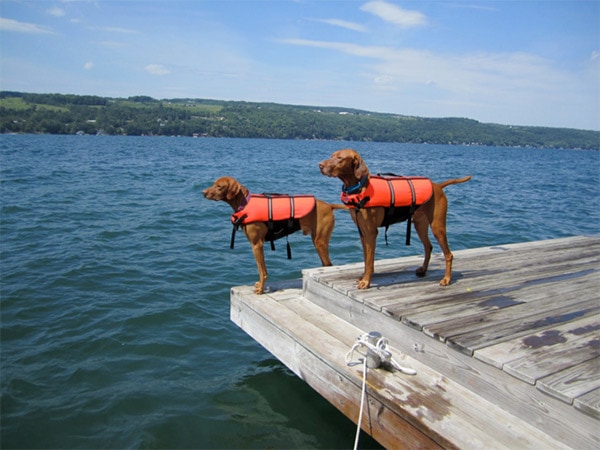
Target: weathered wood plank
497,326
494,260
417,300
589,403
480,296
572,382
499,354
482,272
554,359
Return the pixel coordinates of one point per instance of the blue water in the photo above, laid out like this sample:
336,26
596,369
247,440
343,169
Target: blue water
115,277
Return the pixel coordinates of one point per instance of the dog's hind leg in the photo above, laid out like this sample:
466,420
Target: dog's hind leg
440,234
422,227
321,231
321,243
438,228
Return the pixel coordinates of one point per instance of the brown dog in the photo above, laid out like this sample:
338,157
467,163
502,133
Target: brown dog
348,166
318,223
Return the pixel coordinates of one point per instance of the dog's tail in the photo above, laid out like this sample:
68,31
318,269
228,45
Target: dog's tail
335,206
443,184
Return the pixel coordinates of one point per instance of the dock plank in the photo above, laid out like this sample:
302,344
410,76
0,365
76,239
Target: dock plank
510,325
482,294
536,365
589,403
499,354
488,328
573,382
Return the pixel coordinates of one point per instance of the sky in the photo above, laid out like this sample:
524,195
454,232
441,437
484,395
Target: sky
512,62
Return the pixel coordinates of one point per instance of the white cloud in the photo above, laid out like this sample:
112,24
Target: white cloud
114,30
394,14
469,72
88,65
22,27
157,69
56,11
383,80
344,24
511,87
110,44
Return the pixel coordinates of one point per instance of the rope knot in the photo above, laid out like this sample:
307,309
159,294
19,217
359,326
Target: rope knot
375,353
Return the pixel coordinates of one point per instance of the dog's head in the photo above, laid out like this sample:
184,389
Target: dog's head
225,189
346,164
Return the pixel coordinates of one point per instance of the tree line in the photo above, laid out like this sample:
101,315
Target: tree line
143,115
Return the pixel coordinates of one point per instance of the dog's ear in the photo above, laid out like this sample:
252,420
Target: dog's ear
360,167
233,188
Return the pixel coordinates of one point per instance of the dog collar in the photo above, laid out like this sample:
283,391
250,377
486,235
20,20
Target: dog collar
244,203
357,187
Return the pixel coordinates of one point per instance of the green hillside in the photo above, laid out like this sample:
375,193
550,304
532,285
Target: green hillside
72,114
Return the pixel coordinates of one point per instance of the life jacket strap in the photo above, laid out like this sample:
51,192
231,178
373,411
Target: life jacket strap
232,243
360,204
236,225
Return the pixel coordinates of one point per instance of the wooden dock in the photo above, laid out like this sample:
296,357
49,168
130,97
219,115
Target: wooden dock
507,356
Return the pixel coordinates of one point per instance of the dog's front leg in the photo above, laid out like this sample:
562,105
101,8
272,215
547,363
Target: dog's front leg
256,232
259,256
369,256
367,225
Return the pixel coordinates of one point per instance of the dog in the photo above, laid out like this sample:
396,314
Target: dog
318,222
348,166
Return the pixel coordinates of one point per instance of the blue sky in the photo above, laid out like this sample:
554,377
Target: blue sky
513,62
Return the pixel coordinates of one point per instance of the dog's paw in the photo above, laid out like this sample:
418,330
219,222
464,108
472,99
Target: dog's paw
364,284
259,288
445,281
421,272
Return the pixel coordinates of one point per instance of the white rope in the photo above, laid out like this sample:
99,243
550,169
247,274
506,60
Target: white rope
362,402
377,353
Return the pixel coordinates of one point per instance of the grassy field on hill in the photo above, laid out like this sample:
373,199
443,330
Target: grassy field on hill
142,115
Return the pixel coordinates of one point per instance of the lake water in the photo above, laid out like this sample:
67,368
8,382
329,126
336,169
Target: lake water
115,278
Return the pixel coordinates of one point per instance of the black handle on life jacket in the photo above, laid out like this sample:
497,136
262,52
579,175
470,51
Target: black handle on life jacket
389,174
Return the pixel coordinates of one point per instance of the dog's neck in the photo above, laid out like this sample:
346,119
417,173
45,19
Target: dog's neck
240,200
353,185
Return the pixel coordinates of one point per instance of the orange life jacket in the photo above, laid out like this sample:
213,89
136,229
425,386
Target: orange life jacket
400,196
280,212
390,191
273,208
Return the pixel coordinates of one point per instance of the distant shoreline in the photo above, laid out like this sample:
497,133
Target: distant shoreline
67,114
